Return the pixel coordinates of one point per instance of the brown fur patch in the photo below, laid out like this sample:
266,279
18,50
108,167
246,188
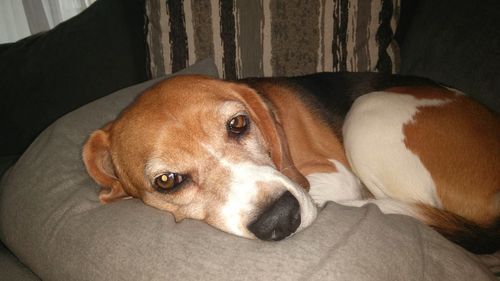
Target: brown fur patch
459,144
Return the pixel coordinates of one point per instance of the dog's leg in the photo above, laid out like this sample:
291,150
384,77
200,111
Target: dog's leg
374,142
338,186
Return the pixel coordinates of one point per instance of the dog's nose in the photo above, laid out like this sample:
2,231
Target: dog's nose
279,220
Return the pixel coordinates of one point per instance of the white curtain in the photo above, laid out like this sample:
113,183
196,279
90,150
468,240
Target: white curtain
19,19
13,23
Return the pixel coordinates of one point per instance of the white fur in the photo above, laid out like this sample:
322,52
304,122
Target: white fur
339,186
457,92
242,193
388,206
345,188
375,148
240,198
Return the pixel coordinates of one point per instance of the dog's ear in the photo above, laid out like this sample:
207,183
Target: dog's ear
273,133
97,158
288,167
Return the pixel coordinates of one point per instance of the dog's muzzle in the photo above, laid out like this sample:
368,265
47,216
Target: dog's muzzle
279,220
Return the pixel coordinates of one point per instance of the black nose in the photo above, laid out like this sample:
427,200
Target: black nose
279,220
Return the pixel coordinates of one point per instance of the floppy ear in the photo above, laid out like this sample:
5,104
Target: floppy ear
273,133
97,159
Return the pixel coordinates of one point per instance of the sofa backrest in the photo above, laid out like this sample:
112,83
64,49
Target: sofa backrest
273,37
455,42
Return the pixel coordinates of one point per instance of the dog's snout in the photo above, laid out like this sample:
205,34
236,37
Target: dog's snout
279,220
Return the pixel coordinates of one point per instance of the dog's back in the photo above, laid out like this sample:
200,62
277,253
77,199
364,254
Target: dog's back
331,94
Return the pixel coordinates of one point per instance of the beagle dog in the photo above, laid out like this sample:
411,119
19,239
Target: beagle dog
256,157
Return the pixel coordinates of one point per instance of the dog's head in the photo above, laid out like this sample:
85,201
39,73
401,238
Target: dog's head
204,149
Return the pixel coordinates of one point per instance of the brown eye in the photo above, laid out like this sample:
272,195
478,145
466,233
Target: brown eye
238,124
168,181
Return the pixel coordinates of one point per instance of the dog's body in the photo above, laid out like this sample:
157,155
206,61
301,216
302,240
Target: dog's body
236,154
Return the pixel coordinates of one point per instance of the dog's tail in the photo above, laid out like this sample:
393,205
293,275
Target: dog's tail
478,239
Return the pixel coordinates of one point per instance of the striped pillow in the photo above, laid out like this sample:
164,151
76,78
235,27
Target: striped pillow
273,37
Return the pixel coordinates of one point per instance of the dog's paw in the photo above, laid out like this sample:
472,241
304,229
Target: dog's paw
339,186
320,192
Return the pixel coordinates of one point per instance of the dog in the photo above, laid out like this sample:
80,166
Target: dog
257,157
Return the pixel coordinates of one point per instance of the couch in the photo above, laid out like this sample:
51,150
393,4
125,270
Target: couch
110,47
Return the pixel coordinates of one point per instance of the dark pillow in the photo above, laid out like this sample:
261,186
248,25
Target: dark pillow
457,43
274,38
49,74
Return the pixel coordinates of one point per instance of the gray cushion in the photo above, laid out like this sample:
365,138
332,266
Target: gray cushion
11,269
52,220
6,162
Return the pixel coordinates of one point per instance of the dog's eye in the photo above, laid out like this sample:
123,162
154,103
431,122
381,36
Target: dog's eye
238,124
168,182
